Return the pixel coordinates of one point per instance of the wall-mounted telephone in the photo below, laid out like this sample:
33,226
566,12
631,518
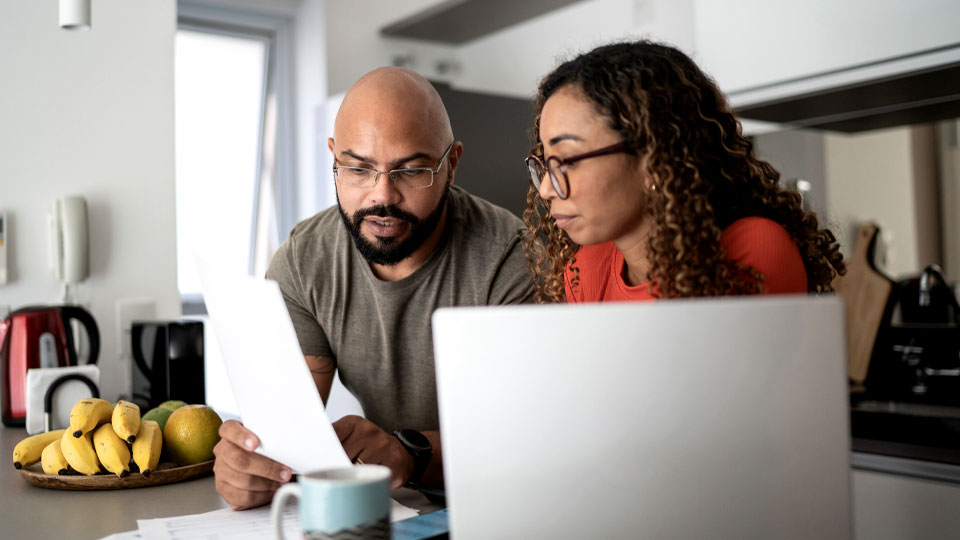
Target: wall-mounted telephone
69,253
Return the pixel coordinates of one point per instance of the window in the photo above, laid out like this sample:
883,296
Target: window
219,102
234,154
233,151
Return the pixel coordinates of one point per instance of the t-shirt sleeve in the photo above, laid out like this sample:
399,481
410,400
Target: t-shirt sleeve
283,270
512,282
767,247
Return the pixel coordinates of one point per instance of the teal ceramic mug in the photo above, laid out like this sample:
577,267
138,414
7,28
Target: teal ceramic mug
348,502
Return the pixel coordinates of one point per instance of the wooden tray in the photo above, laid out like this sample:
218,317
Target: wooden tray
166,473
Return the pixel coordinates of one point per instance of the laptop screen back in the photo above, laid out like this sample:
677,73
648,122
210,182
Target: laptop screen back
682,419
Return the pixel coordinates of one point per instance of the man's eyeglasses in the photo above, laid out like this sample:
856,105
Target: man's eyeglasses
557,167
414,178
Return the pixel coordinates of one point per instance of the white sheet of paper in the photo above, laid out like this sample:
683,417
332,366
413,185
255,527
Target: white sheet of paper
229,524
129,535
274,390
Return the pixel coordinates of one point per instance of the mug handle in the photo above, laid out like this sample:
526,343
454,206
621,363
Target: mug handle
279,500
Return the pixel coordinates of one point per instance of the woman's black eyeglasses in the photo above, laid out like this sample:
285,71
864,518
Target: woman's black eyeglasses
557,167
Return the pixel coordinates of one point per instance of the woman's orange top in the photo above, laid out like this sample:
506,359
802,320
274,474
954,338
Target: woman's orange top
757,242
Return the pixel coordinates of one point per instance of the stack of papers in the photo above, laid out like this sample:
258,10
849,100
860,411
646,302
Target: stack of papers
229,524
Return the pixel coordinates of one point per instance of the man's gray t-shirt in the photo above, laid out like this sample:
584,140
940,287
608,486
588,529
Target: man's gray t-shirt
379,332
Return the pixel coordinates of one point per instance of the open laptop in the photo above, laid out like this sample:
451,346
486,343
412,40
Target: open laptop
722,418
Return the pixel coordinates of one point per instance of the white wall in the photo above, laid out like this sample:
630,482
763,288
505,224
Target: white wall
513,60
869,179
746,43
797,154
310,117
949,150
276,7
354,44
508,62
91,113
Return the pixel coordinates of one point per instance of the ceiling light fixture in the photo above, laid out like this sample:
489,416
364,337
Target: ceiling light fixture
75,14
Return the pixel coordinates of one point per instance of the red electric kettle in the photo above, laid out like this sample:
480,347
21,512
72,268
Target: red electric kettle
38,337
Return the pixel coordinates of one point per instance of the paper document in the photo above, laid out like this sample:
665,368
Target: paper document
129,535
274,390
227,524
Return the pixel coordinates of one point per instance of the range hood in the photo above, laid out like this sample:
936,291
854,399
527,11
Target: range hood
907,90
458,21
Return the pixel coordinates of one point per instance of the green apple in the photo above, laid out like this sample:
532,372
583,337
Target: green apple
158,415
173,404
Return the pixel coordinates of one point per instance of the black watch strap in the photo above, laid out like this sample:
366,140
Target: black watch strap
419,447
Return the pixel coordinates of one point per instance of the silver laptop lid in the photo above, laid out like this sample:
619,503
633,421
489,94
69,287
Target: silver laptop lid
683,419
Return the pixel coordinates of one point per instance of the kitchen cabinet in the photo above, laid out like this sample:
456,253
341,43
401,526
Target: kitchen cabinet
747,44
893,507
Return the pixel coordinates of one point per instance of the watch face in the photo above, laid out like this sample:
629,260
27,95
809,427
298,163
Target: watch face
414,439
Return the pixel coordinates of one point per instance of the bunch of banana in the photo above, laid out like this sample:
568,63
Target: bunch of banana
88,414
126,420
28,451
112,451
147,447
52,459
79,453
100,434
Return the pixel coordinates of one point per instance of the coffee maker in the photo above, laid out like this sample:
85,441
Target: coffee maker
916,356
168,362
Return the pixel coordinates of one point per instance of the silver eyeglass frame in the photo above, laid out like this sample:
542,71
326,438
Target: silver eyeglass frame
391,174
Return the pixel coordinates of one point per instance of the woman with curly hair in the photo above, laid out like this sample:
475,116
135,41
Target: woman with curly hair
644,187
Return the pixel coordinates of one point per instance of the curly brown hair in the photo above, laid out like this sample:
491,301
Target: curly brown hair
706,176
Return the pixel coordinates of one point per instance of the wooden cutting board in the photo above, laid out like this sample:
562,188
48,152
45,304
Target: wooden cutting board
865,292
166,473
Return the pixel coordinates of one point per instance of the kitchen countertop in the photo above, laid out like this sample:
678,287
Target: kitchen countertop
28,511
909,439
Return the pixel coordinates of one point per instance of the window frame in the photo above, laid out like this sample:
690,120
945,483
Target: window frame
276,32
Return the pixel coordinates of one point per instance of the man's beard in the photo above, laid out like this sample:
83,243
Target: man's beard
386,250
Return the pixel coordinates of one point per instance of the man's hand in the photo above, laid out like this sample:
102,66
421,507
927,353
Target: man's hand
243,478
364,440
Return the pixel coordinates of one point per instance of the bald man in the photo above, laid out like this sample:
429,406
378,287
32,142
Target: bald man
362,279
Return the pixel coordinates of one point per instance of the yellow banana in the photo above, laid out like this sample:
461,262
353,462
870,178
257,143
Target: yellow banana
112,451
28,451
52,459
126,420
89,413
79,453
147,447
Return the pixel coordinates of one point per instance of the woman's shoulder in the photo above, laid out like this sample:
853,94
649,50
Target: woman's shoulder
766,246
753,233
756,226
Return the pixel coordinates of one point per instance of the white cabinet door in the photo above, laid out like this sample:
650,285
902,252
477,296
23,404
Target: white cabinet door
749,43
891,507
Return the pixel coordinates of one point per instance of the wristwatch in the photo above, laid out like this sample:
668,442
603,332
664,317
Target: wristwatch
418,445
